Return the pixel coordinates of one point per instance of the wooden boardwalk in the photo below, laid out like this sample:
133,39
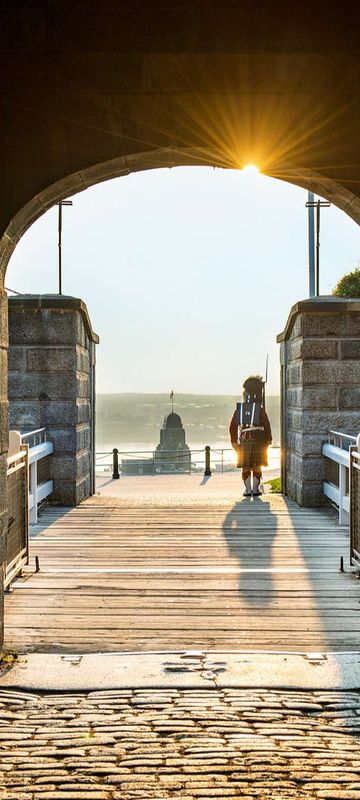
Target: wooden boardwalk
257,575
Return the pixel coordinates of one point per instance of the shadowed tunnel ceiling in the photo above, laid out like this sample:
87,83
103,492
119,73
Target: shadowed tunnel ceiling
92,90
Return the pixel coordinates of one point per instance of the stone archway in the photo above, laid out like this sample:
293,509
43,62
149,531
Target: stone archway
338,194
92,92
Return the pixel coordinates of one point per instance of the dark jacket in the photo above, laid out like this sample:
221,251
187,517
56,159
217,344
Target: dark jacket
256,435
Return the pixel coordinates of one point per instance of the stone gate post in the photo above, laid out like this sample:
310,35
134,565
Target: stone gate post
52,385
320,388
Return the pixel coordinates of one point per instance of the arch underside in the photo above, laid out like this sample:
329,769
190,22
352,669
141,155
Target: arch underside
164,157
90,92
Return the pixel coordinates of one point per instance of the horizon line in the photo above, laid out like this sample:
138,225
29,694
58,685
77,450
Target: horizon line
179,394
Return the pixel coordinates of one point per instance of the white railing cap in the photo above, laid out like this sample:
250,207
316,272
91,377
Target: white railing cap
336,454
40,451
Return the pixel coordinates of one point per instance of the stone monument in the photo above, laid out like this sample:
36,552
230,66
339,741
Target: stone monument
172,452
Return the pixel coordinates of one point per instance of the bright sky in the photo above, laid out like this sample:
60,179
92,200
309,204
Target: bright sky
188,273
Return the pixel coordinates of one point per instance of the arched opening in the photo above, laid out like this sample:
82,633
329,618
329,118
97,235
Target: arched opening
237,551
255,267
320,184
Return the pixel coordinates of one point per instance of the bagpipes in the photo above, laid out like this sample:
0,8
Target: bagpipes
249,410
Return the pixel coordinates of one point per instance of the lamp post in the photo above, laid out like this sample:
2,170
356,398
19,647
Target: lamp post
314,270
311,244
60,207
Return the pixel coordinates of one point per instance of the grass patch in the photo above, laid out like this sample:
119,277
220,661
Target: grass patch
275,485
8,658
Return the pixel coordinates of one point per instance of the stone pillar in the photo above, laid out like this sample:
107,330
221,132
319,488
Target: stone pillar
4,440
52,385
320,388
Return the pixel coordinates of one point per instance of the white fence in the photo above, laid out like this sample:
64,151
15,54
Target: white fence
39,452
337,484
17,533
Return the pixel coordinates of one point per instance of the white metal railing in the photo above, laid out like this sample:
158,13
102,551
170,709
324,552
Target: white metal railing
355,504
40,483
337,451
337,438
35,437
38,491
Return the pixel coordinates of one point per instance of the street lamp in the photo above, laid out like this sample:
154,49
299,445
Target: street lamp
60,206
314,270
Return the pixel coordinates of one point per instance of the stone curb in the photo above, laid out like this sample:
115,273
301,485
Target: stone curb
187,670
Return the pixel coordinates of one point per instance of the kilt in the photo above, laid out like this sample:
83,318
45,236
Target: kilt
252,453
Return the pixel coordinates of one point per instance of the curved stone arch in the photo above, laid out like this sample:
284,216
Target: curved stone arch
77,182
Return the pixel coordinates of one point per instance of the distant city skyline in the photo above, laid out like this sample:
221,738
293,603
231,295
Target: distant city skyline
188,273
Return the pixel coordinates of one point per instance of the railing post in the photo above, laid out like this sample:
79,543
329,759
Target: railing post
33,489
207,472
115,463
342,491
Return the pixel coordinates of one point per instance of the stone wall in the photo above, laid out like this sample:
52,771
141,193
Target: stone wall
3,446
320,374
52,385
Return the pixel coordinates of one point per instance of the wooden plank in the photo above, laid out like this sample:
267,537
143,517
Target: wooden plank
186,581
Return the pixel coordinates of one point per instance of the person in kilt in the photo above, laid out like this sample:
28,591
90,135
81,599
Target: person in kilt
250,434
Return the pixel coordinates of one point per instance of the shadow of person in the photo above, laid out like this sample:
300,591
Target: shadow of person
250,529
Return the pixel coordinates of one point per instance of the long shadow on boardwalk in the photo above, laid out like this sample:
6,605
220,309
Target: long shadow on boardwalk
252,546
289,584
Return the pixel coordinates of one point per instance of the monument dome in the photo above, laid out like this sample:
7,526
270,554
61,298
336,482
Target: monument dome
172,451
172,420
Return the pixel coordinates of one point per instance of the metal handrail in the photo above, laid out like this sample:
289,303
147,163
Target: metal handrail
151,452
338,494
37,436
37,448
341,435
32,433
161,461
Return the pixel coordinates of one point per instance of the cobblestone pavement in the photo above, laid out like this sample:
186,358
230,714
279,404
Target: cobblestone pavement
180,744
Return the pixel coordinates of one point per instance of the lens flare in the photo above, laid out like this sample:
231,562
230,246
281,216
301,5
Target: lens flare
251,169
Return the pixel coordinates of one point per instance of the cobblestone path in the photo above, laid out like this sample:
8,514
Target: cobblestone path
180,744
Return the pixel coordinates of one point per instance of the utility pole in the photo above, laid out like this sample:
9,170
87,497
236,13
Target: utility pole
311,235
60,206
314,274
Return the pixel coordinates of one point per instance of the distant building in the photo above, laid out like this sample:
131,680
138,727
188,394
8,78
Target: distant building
137,466
172,453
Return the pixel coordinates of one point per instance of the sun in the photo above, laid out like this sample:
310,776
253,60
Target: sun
251,169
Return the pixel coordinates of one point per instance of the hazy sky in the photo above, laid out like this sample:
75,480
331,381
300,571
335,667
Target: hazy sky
188,273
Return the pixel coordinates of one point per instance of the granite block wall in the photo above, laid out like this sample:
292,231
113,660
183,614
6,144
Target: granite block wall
51,384
320,389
